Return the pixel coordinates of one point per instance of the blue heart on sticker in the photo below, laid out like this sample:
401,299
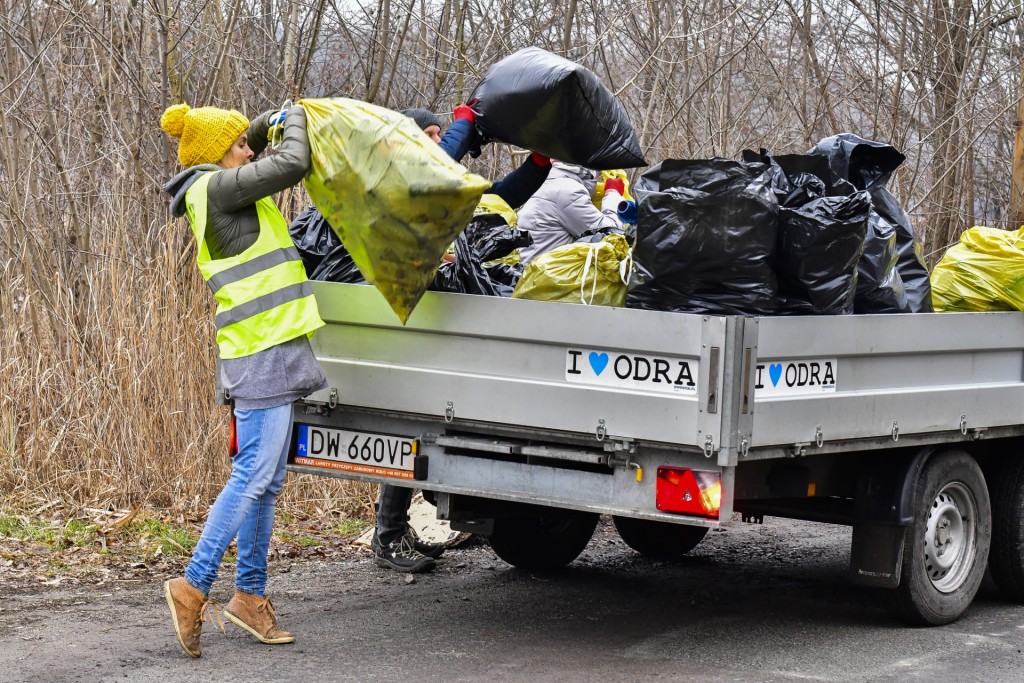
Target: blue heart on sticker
598,361
775,372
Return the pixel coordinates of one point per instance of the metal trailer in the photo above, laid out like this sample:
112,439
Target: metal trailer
525,420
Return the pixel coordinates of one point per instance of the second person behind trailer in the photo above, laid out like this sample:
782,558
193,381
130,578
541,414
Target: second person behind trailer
562,210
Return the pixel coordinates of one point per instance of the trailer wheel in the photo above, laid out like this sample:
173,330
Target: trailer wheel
1006,559
547,538
945,550
660,540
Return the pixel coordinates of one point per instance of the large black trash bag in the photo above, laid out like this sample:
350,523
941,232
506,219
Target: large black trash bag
822,227
776,177
543,102
313,237
322,252
648,182
820,245
487,237
869,165
880,288
338,266
800,179
706,239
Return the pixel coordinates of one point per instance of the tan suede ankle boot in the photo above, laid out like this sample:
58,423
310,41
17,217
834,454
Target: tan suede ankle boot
255,614
189,608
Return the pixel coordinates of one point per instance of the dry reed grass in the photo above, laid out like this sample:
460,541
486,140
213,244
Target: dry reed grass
108,385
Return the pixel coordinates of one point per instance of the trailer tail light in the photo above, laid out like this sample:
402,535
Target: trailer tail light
232,437
689,492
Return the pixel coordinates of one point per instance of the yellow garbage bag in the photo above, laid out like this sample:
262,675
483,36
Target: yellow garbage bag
394,198
605,175
580,273
492,203
985,272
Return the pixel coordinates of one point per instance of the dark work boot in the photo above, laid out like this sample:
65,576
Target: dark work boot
431,550
401,555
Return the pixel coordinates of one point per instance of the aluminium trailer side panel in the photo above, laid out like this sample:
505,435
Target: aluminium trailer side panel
896,375
507,362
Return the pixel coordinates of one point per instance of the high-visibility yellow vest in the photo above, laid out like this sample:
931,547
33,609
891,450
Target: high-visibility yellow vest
263,297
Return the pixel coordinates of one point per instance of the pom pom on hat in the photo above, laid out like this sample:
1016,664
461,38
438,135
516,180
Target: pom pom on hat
205,133
173,120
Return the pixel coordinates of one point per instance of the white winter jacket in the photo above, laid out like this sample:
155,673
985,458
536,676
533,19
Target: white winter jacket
562,210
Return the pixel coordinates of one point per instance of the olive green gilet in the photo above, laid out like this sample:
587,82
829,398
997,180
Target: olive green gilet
263,296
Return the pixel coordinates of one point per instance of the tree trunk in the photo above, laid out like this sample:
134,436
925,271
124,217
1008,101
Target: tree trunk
380,42
1017,188
950,60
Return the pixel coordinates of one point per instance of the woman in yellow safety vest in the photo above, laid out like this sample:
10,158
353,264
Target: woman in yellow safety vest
265,315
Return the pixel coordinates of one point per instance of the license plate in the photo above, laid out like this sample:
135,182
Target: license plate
380,455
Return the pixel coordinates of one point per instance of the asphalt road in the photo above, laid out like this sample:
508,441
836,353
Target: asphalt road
753,603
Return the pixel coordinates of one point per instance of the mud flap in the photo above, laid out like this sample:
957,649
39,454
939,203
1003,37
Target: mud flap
876,555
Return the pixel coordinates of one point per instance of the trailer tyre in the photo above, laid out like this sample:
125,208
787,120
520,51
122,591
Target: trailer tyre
660,540
945,550
1006,559
548,538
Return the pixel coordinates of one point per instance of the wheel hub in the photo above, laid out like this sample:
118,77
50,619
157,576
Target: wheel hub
949,538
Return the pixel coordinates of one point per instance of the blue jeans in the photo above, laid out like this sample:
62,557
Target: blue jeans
245,507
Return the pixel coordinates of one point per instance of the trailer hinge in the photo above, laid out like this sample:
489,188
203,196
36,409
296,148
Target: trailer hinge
620,446
315,408
620,451
620,454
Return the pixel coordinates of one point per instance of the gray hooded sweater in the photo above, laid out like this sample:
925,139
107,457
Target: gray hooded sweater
289,371
561,210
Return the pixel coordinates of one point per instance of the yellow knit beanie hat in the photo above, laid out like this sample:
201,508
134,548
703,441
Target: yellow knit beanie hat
206,133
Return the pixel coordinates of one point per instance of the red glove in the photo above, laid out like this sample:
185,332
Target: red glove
615,184
540,160
464,112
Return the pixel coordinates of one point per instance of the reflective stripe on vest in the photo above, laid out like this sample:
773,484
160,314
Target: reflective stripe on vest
263,297
263,304
244,270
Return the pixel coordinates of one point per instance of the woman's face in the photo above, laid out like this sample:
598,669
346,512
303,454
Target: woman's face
239,154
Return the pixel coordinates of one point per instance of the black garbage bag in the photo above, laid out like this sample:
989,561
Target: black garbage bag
487,237
869,165
548,104
822,227
338,266
706,239
801,179
648,182
820,245
776,177
313,237
322,252
880,288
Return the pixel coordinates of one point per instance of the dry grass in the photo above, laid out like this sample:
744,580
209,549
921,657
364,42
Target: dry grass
108,384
